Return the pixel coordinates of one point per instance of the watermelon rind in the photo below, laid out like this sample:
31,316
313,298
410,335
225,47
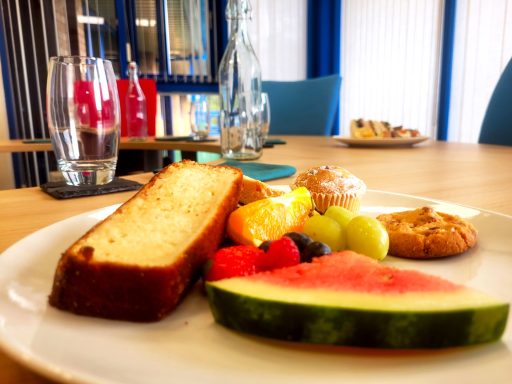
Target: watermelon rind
440,320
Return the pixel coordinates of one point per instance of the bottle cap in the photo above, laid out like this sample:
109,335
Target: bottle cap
132,66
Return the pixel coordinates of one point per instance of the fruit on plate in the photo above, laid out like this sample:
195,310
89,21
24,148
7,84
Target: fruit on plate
245,260
341,229
270,218
281,253
300,239
314,249
326,230
368,236
340,214
233,261
349,299
305,247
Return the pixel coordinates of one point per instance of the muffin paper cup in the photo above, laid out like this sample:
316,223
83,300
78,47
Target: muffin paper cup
323,201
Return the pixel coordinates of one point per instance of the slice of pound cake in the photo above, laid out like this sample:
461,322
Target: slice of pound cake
138,263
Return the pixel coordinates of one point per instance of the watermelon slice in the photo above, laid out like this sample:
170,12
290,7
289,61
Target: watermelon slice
350,299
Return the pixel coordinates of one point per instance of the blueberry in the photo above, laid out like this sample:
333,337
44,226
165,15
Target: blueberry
301,240
264,246
314,249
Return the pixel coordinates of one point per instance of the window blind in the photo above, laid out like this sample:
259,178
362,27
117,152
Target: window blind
278,35
390,62
189,43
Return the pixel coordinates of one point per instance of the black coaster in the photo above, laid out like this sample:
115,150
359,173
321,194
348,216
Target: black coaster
184,138
206,140
60,190
275,141
172,138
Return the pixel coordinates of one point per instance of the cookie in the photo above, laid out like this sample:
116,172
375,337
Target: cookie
424,233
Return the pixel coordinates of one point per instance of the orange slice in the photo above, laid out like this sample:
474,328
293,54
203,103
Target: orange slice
270,218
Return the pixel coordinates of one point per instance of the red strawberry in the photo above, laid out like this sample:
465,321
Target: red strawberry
233,261
281,253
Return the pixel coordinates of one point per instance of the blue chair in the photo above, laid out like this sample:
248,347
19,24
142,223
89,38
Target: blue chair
497,124
306,107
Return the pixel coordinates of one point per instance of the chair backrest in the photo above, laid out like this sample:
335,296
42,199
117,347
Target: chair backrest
497,123
306,107
149,89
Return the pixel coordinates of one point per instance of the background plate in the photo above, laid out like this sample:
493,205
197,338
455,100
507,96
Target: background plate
188,347
392,142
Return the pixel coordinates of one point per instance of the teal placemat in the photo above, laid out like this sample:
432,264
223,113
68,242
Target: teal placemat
262,171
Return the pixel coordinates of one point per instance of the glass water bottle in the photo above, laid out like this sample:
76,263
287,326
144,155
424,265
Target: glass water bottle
136,112
240,89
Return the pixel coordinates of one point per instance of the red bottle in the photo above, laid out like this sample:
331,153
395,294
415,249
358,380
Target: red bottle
136,112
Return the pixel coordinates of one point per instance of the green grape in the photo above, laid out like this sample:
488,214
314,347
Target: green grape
325,230
368,236
340,214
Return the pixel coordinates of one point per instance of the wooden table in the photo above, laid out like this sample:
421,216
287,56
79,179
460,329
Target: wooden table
146,158
467,174
11,146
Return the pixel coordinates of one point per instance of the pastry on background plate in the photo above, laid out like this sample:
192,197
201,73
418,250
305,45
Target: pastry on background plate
332,185
376,129
424,233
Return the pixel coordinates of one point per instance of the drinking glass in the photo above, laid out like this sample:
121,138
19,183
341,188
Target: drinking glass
265,117
199,117
82,106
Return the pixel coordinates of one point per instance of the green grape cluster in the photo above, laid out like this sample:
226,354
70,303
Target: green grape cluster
341,229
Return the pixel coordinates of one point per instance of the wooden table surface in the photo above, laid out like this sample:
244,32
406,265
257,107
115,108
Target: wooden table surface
11,146
467,174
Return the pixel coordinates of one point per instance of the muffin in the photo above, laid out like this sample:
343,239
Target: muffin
332,185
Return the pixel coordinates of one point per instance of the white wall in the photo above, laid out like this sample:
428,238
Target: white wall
6,175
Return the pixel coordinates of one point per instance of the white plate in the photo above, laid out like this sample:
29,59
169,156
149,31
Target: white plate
188,347
383,142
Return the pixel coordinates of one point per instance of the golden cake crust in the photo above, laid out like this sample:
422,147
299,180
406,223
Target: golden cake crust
424,233
127,267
